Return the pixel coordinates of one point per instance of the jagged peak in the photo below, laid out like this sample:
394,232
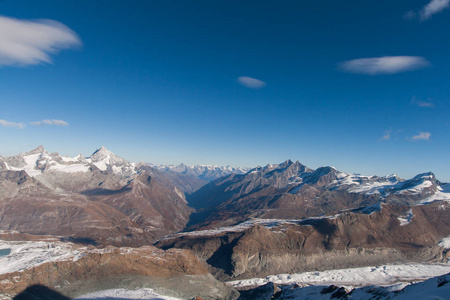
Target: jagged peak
286,163
37,150
102,150
326,170
106,156
424,176
102,153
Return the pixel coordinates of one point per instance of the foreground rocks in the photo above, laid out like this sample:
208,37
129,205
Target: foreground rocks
174,272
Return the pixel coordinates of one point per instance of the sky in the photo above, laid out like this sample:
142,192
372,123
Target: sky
359,85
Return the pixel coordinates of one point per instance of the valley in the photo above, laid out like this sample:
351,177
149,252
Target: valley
89,225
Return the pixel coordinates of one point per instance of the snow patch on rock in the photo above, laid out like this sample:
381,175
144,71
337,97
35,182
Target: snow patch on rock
146,293
26,255
353,277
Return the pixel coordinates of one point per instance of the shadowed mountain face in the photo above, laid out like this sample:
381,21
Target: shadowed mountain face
102,198
292,190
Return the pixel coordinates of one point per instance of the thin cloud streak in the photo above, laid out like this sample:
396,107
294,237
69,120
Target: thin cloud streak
424,104
422,136
386,136
384,65
250,82
50,122
5,123
24,42
433,7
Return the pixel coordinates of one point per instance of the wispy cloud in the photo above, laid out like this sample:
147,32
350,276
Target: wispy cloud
386,136
384,65
410,15
250,82
425,104
421,103
5,123
24,42
50,122
421,136
433,7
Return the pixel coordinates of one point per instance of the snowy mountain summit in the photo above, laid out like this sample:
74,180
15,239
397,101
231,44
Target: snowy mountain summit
204,172
40,161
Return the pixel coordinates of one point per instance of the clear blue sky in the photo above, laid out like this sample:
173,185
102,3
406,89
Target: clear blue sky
360,85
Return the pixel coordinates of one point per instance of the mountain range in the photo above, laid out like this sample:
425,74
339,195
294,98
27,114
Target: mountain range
292,190
239,223
102,198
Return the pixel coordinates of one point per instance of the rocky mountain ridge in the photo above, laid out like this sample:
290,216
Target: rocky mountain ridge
74,270
102,198
258,248
207,173
292,190
281,218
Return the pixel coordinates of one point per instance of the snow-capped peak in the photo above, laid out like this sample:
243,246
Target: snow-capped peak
39,161
205,172
106,160
101,154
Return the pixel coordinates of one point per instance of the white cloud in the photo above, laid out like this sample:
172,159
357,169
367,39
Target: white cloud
5,123
422,136
251,83
433,7
425,104
386,136
25,42
50,122
384,65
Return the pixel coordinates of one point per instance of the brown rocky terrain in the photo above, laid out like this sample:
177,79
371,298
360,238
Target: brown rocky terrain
102,199
314,220
173,272
186,182
292,191
350,239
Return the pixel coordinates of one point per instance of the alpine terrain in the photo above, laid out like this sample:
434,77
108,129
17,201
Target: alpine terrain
83,225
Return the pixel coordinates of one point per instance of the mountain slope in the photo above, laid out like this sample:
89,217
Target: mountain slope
102,198
260,247
292,190
204,172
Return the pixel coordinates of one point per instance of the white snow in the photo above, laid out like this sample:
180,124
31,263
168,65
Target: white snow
445,243
73,168
36,164
268,223
71,159
354,277
418,188
439,195
30,164
436,288
116,169
371,188
147,294
26,255
404,220
101,165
